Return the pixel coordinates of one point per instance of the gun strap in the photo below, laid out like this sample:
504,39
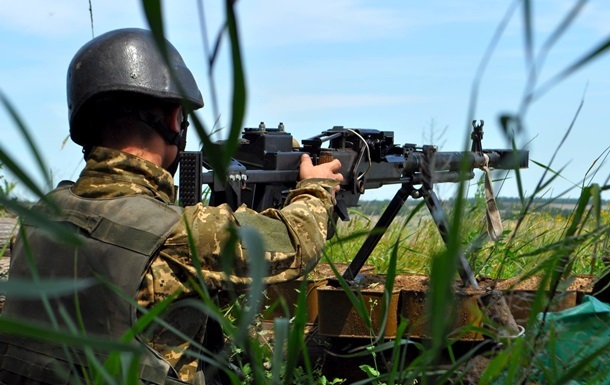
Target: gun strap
494,222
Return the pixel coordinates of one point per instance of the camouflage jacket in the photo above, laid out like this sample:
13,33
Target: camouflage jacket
293,236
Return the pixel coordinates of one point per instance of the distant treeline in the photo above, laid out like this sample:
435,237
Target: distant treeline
555,206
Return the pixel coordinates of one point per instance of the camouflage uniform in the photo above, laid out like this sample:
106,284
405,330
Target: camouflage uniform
293,237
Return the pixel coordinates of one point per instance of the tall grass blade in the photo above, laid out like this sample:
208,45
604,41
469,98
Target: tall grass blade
280,335
211,56
296,340
357,301
238,108
258,269
595,53
32,147
563,25
56,287
23,328
527,30
20,174
35,218
489,50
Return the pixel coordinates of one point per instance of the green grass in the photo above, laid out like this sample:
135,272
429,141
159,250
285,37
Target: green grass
533,242
524,243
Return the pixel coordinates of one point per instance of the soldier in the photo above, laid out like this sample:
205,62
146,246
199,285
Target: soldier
129,113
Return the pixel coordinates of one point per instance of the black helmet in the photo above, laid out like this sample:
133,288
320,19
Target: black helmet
125,61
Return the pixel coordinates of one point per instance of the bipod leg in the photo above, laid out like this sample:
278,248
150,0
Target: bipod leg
440,219
438,214
380,227
493,302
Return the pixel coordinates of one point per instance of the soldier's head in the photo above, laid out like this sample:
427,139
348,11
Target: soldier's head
121,88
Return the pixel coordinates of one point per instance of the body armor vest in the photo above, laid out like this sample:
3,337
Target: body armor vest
118,237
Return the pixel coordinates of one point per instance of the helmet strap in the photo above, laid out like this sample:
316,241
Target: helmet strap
181,146
176,138
86,151
162,128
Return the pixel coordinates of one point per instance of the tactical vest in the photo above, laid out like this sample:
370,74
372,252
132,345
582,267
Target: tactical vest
118,239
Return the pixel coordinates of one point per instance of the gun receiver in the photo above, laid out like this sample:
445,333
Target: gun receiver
265,166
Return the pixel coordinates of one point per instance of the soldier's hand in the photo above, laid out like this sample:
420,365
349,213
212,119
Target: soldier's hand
328,170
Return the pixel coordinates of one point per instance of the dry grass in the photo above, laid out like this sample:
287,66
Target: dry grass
540,234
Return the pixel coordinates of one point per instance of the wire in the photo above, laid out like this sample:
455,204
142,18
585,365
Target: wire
368,151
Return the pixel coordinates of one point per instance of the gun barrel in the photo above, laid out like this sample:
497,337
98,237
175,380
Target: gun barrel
455,161
448,166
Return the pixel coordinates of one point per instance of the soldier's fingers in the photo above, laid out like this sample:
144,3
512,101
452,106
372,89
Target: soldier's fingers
306,160
335,165
336,176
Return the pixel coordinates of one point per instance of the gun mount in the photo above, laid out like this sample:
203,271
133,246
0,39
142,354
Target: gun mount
265,166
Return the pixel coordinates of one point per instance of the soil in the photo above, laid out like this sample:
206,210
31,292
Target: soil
417,282
580,283
7,228
4,263
323,271
505,299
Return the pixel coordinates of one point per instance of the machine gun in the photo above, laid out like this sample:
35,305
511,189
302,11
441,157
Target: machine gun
265,166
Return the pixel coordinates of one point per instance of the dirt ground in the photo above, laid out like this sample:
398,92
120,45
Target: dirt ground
4,263
7,228
329,345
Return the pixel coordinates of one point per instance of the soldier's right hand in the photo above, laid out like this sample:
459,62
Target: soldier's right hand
328,170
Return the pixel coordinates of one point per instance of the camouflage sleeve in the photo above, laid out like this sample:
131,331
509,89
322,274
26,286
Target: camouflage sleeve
305,220
293,237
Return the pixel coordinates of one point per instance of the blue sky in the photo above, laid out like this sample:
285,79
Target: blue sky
399,66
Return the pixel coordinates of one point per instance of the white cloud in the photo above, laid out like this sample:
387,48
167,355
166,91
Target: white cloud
317,21
597,19
44,18
593,17
316,102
